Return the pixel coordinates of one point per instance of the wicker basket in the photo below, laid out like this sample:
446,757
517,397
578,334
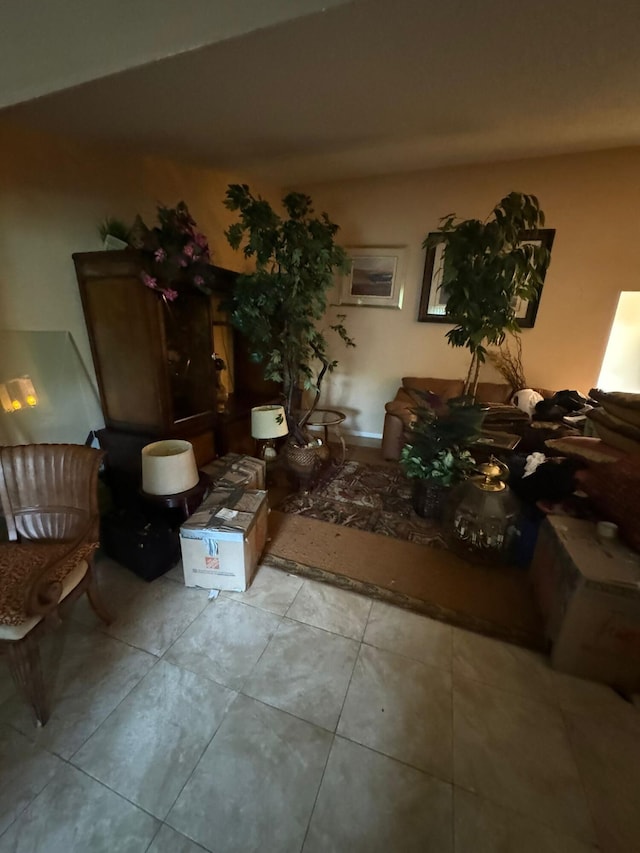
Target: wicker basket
323,453
302,461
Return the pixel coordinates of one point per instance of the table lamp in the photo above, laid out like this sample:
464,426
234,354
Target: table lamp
267,424
168,467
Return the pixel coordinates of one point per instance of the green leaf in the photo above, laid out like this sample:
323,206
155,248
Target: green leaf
278,307
486,267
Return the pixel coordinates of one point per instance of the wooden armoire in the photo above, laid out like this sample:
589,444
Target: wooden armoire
153,359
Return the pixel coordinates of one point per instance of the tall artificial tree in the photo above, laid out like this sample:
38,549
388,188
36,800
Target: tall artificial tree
487,267
279,306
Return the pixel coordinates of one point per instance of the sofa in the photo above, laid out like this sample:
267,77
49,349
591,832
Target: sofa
398,412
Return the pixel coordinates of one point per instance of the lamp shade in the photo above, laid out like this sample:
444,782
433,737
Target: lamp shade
268,422
168,467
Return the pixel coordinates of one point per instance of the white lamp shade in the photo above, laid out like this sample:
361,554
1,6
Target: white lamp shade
168,467
268,422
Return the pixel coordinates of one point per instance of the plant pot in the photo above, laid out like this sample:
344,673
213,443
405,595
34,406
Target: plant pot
427,498
303,462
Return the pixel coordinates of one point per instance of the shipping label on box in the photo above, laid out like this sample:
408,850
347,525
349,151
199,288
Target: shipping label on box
620,635
234,470
222,542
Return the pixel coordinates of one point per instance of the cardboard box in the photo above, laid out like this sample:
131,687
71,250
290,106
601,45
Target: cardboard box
600,640
589,594
234,470
222,542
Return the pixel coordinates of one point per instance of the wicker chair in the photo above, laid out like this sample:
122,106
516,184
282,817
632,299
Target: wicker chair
48,496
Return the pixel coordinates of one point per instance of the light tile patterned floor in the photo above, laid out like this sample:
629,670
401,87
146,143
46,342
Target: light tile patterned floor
298,717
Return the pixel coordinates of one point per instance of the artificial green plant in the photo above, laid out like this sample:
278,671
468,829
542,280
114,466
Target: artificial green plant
439,437
278,306
487,267
110,226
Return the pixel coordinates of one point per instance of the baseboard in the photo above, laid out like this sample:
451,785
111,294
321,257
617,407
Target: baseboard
356,439
353,437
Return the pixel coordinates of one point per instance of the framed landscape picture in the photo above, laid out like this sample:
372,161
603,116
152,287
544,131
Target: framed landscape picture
433,304
375,277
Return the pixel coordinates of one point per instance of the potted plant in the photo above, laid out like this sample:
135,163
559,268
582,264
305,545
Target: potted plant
278,306
487,267
436,456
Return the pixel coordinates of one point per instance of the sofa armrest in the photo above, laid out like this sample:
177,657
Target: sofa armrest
393,436
401,409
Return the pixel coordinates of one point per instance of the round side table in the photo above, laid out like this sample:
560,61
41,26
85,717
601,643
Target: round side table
188,501
330,418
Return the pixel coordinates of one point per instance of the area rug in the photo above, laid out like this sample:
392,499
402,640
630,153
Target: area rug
375,498
327,536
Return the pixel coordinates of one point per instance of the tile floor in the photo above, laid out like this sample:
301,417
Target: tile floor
298,717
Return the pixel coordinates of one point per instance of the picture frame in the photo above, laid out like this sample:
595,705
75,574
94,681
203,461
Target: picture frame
433,305
527,309
375,277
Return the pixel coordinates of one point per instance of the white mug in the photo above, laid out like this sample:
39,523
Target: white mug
606,530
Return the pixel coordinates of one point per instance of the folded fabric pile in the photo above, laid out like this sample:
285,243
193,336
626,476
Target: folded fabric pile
611,477
505,418
617,421
561,404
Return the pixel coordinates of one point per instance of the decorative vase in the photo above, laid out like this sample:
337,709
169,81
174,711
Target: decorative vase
482,515
427,498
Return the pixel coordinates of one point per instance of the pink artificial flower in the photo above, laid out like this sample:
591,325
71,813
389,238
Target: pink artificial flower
183,262
160,255
169,294
198,280
189,250
201,240
149,280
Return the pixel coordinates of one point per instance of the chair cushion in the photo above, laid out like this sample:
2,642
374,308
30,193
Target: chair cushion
19,561
403,397
70,582
401,410
444,388
493,392
486,392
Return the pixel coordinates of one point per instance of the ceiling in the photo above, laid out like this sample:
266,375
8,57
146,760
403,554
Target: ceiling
376,86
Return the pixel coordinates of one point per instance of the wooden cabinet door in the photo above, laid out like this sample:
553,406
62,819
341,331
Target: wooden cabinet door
152,358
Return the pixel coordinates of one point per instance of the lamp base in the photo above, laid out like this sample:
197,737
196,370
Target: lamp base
266,450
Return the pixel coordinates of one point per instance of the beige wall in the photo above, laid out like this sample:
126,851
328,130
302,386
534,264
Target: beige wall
593,202
53,194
